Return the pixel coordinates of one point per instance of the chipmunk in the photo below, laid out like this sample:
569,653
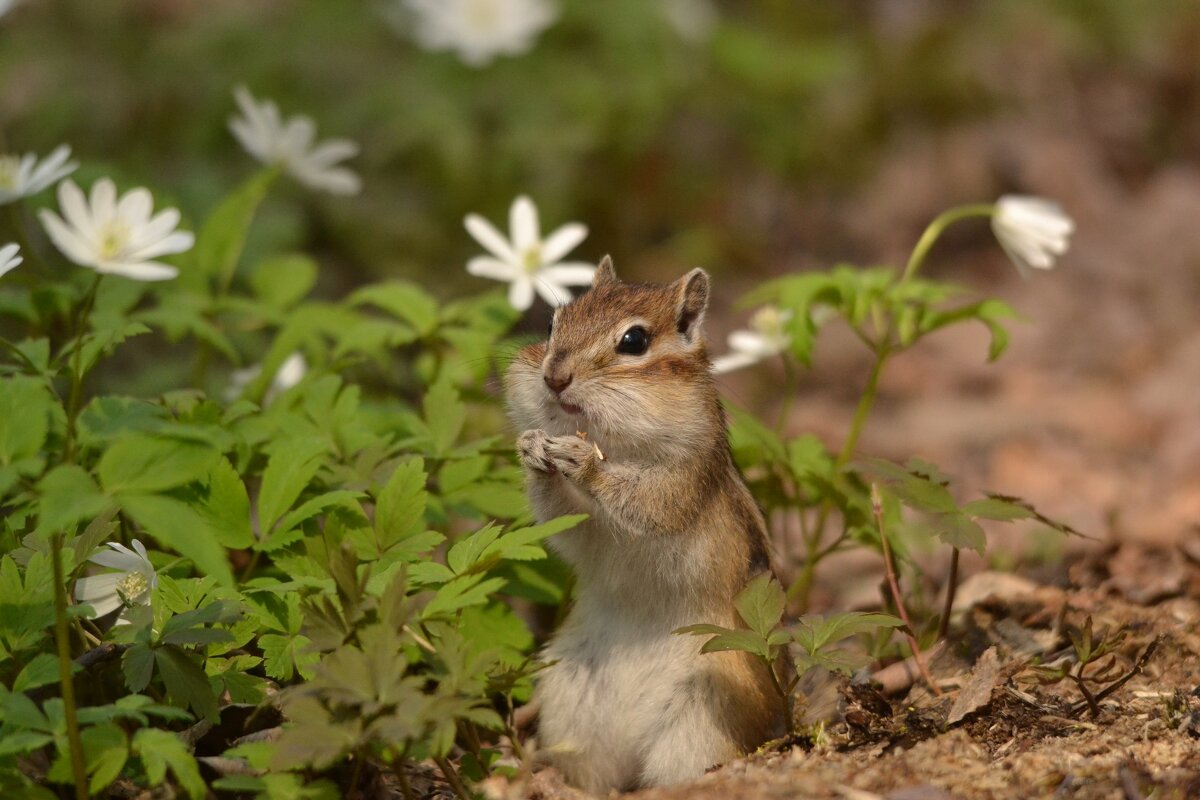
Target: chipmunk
673,535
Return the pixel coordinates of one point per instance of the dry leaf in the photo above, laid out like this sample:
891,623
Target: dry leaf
978,691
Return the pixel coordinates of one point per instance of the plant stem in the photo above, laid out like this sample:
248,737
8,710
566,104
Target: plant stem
405,789
452,778
789,394
356,776
889,565
935,230
944,622
784,696
77,370
863,410
61,636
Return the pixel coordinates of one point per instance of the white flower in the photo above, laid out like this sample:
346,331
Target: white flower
480,30
22,176
527,261
765,338
7,6
693,20
115,236
290,373
290,144
9,258
1032,230
132,585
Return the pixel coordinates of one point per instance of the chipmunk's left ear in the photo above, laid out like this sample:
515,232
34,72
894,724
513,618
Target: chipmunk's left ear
691,301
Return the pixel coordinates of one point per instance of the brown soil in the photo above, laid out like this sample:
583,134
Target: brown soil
997,731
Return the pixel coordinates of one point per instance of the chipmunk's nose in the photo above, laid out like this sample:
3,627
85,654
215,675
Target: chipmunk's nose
557,382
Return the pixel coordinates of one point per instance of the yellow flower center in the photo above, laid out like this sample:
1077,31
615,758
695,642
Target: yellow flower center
482,15
768,321
9,165
531,259
132,587
113,240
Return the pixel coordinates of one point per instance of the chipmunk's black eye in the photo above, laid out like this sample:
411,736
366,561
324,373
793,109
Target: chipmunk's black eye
634,341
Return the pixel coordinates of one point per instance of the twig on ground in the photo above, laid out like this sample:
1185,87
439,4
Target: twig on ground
1094,700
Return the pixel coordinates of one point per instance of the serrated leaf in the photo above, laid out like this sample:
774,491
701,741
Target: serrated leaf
25,408
761,604
161,749
226,506
186,682
444,415
959,530
745,641
291,467
68,497
466,552
284,656
996,509
400,507
282,281
42,670
463,591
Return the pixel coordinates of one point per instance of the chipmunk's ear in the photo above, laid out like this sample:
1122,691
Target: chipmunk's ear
605,273
691,301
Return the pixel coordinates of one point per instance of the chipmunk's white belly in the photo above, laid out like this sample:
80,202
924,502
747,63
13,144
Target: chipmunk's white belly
628,703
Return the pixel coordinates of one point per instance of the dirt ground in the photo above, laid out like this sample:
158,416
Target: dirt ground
998,730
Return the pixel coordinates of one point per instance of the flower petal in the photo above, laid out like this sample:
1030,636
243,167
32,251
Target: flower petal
486,234
732,361
552,293
76,210
103,202
177,242
520,293
494,268
573,274
523,225
67,240
100,592
138,271
134,207
563,241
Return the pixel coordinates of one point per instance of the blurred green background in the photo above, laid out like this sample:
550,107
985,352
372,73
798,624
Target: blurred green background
739,145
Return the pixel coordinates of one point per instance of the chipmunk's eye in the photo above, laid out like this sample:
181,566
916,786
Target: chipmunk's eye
634,341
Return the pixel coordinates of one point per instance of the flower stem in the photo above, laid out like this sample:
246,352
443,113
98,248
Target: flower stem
61,636
935,230
85,309
865,404
789,394
452,777
786,697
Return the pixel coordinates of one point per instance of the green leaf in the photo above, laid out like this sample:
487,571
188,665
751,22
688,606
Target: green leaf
761,604
745,641
186,682
175,524
403,300
400,506
292,466
226,506
307,510
284,656
958,530
469,550
284,280
105,751
25,407
69,496
161,749
813,632
142,463
138,666
219,243
444,415
997,509
42,670
463,591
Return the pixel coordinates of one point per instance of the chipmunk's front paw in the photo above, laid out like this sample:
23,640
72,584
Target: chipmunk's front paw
574,457
531,449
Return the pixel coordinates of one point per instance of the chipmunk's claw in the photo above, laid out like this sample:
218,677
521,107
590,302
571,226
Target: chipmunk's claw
531,449
571,455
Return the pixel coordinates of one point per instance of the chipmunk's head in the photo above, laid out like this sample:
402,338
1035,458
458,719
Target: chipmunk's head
625,362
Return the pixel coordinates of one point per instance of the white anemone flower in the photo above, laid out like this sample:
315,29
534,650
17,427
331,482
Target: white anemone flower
480,30
291,144
1032,230
291,372
115,235
22,176
10,258
526,261
765,338
132,585
693,20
